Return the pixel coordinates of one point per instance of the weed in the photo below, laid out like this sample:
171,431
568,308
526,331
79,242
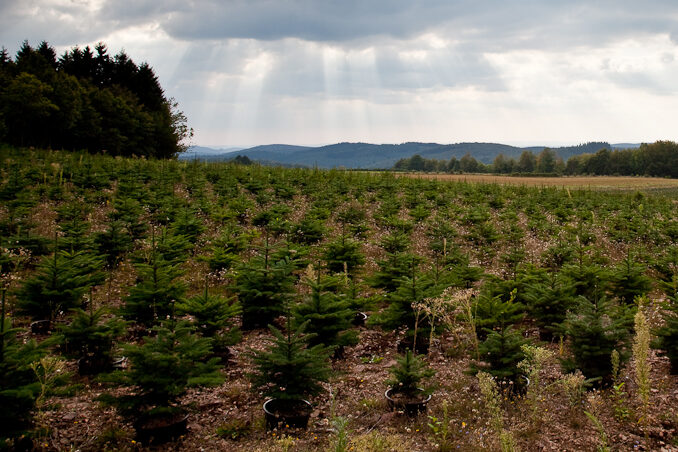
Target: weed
234,430
602,436
372,359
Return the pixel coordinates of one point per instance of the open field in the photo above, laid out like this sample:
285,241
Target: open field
593,182
142,251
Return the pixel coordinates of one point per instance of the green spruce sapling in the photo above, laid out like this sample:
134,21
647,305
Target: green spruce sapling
213,317
288,368
162,367
408,376
327,315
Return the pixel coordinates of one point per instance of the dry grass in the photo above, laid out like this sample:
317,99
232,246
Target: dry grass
593,182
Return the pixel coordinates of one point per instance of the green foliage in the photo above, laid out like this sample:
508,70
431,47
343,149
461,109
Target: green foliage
548,303
188,225
596,328
343,253
152,298
113,243
90,336
413,288
59,284
492,312
408,375
501,352
327,315
213,317
162,367
288,369
391,271
263,287
19,387
88,101
667,335
629,281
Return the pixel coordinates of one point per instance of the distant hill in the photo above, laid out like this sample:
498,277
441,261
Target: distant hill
203,152
382,156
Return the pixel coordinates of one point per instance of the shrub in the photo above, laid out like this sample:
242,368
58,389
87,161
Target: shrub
327,315
408,375
162,368
288,369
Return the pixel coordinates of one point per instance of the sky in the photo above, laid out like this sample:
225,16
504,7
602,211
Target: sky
311,72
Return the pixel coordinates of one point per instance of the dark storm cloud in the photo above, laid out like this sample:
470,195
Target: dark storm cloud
492,24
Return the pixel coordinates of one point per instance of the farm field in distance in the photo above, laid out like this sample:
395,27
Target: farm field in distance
138,294
583,182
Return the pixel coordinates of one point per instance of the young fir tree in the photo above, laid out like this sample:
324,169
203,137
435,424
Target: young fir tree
391,271
263,286
492,313
327,315
173,248
162,367
667,335
74,227
152,298
59,284
113,243
128,212
408,375
18,384
343,253
188,225
412,289
90,337
213,317
502,352
289,369
629,280
595,328
548,303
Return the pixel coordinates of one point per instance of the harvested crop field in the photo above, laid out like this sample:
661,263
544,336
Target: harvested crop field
594,182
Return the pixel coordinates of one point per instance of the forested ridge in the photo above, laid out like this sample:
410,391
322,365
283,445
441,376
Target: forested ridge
89,100
659,159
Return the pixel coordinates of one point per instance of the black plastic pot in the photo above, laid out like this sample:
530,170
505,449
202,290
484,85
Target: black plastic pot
90,365
225,354
545,335
287,413
359,319
408,342
514,388
41,326
409,407
160,429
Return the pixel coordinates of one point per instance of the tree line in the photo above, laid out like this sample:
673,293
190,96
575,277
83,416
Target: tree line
659,159
87,99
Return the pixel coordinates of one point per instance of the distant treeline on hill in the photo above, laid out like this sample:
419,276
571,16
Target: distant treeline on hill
86,99
659,159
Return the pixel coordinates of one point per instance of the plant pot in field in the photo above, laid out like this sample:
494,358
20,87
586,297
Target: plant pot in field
408,342
287,413
161,428
224,353
90,365
545,335
359,319
410,404
41,326
514,388
119,363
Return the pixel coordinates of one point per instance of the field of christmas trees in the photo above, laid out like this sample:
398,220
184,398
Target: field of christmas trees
157,304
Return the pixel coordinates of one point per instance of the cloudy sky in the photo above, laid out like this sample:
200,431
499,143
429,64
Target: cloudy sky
250,72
